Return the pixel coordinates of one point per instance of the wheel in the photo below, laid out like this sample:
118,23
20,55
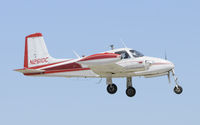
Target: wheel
178,89
130,91
112,88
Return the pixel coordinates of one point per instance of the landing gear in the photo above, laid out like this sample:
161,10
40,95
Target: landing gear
130,91
177,89
111,88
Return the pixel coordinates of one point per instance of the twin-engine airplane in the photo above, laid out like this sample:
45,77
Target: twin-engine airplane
115,63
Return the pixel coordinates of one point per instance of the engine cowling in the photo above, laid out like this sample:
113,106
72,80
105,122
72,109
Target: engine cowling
100,59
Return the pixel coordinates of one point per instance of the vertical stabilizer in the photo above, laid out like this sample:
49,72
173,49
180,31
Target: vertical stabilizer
36,52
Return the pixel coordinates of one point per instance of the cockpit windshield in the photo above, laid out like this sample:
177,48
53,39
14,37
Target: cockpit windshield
136,53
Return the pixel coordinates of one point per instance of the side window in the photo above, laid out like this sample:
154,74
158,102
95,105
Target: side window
124,54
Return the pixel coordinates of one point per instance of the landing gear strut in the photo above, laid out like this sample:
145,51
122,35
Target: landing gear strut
111,88
177,89
130,91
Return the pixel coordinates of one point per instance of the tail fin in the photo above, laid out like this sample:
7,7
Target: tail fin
36,52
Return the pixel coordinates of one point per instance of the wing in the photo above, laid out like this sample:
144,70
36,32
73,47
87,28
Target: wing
103,62
110,63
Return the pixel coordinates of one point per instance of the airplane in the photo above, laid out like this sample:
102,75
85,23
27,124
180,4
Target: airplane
115,63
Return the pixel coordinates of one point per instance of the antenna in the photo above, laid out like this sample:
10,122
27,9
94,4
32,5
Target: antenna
112,47
165,55
123,43
76,54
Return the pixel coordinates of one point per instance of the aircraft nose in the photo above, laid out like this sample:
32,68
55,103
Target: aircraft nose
169,65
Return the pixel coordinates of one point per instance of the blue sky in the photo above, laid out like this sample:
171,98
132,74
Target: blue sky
88,27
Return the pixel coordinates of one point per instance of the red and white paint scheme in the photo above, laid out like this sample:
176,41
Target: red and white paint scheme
116,63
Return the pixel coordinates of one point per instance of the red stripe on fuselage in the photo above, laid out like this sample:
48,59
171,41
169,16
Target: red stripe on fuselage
57,71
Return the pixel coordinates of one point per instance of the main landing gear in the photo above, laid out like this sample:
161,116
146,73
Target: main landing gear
112,88
177,89
130,91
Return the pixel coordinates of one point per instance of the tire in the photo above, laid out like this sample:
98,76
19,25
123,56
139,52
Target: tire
112,88
130,91
178,89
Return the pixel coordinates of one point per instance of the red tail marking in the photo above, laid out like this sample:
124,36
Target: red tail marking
26,54
26,48
34,35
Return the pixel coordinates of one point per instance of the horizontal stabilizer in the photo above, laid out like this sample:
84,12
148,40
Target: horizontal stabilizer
29,70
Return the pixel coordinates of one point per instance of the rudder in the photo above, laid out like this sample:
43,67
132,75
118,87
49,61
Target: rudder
36,52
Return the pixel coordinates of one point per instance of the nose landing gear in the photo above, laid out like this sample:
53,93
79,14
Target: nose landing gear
177,89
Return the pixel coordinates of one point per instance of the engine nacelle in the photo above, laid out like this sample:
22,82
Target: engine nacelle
100,59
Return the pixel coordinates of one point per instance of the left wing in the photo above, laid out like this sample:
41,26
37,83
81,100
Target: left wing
100,59
102,62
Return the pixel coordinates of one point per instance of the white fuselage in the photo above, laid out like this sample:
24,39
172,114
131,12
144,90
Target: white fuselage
140,66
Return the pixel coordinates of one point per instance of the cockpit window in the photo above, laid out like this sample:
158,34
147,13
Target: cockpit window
136,53
124,54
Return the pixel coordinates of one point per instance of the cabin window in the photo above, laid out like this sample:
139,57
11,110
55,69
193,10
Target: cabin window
124,54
